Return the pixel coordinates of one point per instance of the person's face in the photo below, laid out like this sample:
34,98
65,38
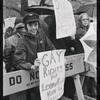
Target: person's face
20,27
85,20
32,27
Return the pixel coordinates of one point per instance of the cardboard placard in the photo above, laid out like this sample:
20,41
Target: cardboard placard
52,74
65,21
74,64
19,80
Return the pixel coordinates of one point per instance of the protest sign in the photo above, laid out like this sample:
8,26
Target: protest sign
9,22
91,31
51,74
74,64
89,42
19,80
65,21
87,50
33,2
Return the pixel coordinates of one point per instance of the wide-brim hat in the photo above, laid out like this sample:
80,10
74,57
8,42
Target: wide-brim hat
30,17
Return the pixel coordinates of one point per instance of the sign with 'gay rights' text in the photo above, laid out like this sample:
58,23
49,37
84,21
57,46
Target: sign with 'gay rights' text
51,74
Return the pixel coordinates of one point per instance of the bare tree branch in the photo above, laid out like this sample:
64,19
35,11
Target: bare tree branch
12,8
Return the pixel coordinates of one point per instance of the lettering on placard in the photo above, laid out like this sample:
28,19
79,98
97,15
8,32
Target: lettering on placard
15,80
46,62
34,75
69,66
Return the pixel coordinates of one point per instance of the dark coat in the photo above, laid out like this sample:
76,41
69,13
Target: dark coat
81,30
67,43
64,43
28,47
9,49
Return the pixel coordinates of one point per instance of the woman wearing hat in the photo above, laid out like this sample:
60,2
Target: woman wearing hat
34,41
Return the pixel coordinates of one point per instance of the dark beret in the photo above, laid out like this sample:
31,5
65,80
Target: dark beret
30,17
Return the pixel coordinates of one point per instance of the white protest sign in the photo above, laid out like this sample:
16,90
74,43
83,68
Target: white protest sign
52,74
19,80
87,50
65,21
9,22
91,31
33,2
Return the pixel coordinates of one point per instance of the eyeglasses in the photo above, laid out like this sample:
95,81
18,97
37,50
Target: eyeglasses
85,19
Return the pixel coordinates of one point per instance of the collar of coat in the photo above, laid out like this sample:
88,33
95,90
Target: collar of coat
29,35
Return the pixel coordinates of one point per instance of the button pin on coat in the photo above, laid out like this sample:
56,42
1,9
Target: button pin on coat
41,42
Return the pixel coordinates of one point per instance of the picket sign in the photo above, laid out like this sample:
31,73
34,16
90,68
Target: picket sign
75,64
19,80
22,80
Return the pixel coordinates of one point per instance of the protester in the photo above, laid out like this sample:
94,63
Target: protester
34,41
11,43
83,26
9,32
9,50
72,46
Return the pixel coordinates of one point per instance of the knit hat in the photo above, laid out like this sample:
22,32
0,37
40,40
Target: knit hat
30,17
18,20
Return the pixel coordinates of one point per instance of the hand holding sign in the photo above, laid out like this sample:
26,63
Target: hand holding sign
36,64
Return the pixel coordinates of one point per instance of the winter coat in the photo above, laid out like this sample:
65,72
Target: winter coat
9,49
67,43
81,30
28,47
63,43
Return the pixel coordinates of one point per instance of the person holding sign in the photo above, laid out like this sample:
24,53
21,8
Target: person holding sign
34,41
72,46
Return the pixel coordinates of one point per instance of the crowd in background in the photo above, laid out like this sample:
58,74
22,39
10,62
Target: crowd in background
22,36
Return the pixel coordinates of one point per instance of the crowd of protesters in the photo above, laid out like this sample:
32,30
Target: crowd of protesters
31,35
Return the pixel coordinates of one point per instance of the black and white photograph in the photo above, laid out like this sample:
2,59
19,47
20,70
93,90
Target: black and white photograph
49,50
